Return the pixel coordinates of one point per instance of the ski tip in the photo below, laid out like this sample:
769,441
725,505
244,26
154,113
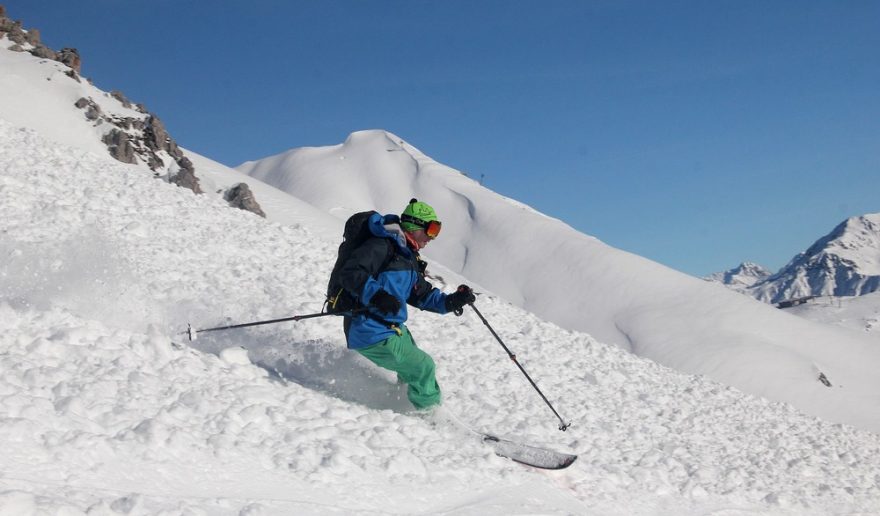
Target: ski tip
191,332
567,462
563,462
533,456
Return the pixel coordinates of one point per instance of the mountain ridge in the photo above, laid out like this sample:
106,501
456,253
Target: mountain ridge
843,263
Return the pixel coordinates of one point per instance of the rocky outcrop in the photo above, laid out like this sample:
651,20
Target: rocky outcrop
29,41
186,176
129,139
70,57
93,111
144,139
120,146
240,196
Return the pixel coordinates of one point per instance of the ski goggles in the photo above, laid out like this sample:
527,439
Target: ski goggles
432,228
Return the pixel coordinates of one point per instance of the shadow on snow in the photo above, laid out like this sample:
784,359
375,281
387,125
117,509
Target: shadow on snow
319,365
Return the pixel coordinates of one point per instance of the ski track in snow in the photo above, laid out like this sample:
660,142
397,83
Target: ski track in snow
106,409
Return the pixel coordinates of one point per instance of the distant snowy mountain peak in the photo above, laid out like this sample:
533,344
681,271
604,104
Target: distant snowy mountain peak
846,262
741,277
857,241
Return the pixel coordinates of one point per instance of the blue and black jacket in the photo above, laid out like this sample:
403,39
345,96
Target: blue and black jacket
385,262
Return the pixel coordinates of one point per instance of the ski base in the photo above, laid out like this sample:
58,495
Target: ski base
529,455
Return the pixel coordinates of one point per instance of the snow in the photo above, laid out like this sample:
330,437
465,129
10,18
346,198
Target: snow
860,243
281,206
741,277
860,313
106,408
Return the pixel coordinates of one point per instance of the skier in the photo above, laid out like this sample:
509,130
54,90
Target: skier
384,274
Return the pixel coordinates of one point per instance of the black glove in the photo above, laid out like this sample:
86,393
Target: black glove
455,302
385,302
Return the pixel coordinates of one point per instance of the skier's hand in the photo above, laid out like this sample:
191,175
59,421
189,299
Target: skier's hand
455,302
385,302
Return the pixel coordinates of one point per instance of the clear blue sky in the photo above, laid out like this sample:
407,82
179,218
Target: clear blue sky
697,134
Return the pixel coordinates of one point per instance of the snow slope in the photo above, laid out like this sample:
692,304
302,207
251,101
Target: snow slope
859,313
546,267
106,409
279,206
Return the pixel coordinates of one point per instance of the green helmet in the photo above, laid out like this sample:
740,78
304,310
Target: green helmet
417,210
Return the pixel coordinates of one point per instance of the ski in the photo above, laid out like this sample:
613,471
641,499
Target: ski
526,454
529,455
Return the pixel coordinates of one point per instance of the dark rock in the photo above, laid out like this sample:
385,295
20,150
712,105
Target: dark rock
187,176
155,136
93,111
15,33
240,196
123,123
116,94
44,53
154,162
6,24
119,144
157,139
70,57
33,37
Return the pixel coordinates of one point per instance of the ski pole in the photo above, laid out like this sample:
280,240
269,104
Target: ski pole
562,424
193,333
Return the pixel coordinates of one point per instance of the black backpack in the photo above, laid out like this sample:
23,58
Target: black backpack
356,232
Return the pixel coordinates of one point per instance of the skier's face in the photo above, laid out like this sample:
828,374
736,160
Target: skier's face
419,237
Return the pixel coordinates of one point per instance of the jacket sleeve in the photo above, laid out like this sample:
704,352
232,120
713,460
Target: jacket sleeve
358,273
427,297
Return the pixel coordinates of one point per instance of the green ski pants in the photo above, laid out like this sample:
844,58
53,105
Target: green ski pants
413,366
